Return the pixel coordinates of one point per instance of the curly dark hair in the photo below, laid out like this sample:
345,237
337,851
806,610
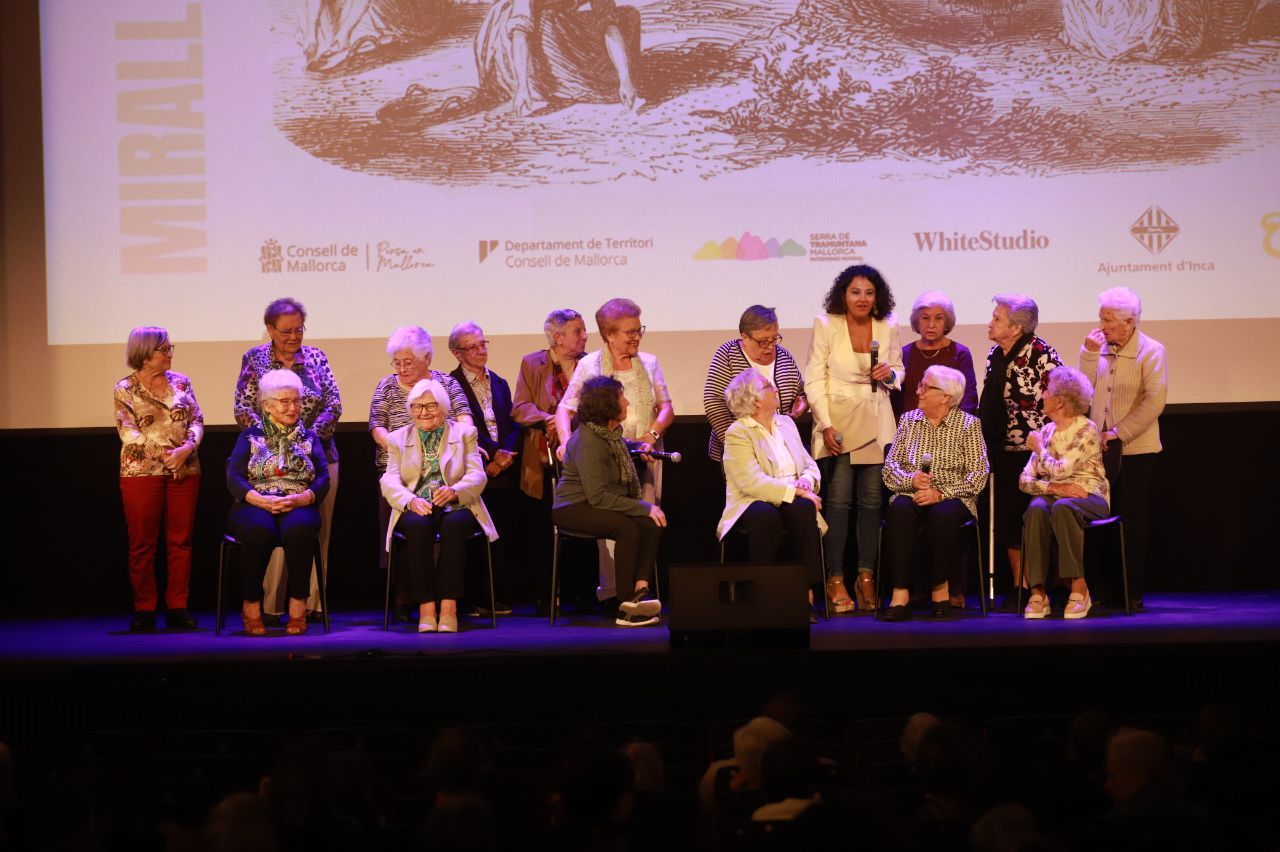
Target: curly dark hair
599,401
834,303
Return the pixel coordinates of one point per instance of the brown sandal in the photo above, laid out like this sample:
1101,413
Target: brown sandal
865,588
296,626
253,626
838,595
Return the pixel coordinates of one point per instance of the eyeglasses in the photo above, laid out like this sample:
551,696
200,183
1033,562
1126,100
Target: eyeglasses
767,342
479,344
291,332
167,349
923,387
404,365
425,407
632,334
287,401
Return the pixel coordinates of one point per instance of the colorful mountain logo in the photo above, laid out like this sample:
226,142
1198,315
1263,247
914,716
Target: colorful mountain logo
749,247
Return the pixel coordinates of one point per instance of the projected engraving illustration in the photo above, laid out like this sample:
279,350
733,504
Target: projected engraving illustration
528,92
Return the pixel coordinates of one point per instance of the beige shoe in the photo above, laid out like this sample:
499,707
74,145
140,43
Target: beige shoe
448,624
1078,606
427,624
1037,607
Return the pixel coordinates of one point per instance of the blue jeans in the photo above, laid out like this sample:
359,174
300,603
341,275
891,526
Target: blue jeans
838,484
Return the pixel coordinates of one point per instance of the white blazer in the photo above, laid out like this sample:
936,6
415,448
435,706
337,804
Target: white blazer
460,466
751,471
838,389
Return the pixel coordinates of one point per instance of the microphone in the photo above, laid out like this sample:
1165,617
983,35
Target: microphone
926,463
839,438
673,457
875,359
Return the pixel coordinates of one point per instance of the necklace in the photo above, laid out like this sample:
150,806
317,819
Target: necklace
935,352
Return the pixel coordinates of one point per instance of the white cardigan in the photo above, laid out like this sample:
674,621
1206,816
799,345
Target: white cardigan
839,392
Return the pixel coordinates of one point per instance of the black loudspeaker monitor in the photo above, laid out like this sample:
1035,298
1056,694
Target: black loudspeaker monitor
765,605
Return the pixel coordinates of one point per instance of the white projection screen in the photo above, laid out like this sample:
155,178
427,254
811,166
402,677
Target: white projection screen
393,162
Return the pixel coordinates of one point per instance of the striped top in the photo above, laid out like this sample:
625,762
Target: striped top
389,407
728,362
1129,389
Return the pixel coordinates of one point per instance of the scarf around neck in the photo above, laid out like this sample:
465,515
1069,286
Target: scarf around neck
621,456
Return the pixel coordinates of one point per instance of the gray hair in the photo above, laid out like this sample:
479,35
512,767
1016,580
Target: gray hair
460,330
557,320
752,740
950,382
744,390
143,340
274,381
933,299
1122,300
1023,310
755,318
411,337
612,311
1072,387
424,387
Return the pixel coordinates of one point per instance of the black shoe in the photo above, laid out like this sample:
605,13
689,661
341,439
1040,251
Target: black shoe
142,622
315,616
642,603
503,609
897,613
940,609
407,614
179,619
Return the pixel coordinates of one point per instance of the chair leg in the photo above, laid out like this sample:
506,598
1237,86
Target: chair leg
555,575
222,563
721,551
386,606
1017,605
1124,570
493,599
822,558
322,582
982,593
880,565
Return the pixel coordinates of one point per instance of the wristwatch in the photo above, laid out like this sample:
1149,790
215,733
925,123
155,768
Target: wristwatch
654,433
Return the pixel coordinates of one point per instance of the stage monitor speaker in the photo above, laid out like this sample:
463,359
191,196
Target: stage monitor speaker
737,605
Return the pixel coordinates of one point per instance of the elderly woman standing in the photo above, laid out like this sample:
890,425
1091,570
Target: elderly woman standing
1130,383
1066,474
1011,408
933,316
770,479
854,361
649,411
936,469
285,321
543,380
759,347
433,483
160,427
278,475
599,493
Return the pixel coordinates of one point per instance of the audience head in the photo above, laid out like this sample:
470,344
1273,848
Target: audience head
1072,388
601,401
949,761
789,709
949,382
788,770
836,301
1087,742
464,824
749,745
566,332
457,762
1007,828
647,766
240,823
296,787
933,303
145,342
913,732
759,329
1135,758
745,391
467,343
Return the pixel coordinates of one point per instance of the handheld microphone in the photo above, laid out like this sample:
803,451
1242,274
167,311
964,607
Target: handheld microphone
875,359
926,463
839,438
673,457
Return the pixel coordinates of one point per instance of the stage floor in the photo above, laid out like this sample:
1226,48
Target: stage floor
1199,619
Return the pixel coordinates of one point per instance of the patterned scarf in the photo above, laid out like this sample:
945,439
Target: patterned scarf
621,455
643,403
280,440
429,477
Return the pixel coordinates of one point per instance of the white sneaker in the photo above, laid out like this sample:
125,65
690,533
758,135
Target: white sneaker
642,603
637,620
1078,606
1037,607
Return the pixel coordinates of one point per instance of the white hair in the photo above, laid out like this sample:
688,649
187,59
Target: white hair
461,330
950,382
1072,387
557,320
1122,300
1023,310
428,386
411,337
750,742
743,392
933,299
274,381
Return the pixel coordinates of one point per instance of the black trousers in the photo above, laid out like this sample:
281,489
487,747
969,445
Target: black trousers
637,539
1133,501
260,532
1011,502
432,579
941,525
764,524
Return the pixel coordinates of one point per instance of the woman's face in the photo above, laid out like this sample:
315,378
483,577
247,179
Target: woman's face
571,341
1055,406
285,406
472,352
932,321
767,402
860,298
761,345
624,337
426,412
1117,328
286,334
160,359
932,400
1000,329
410,369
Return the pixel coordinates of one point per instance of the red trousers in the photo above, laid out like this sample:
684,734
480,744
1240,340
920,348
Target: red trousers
149,503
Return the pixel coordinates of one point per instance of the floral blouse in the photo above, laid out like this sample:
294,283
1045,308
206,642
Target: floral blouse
959,467
321,404
276,461
1025,378
150,426
389,406
1072,455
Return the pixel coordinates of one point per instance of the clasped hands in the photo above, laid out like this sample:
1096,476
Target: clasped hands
804,489
442,497
280,505
501,460
175,460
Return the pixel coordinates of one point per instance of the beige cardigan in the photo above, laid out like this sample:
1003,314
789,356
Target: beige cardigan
750,470
460,465
836,385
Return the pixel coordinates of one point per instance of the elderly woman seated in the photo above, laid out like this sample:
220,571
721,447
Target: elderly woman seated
599,494
1068,482
278,475
433,482
771,481
936,469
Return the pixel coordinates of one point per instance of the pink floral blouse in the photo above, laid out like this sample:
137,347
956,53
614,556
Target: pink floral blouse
1072,455
149,426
